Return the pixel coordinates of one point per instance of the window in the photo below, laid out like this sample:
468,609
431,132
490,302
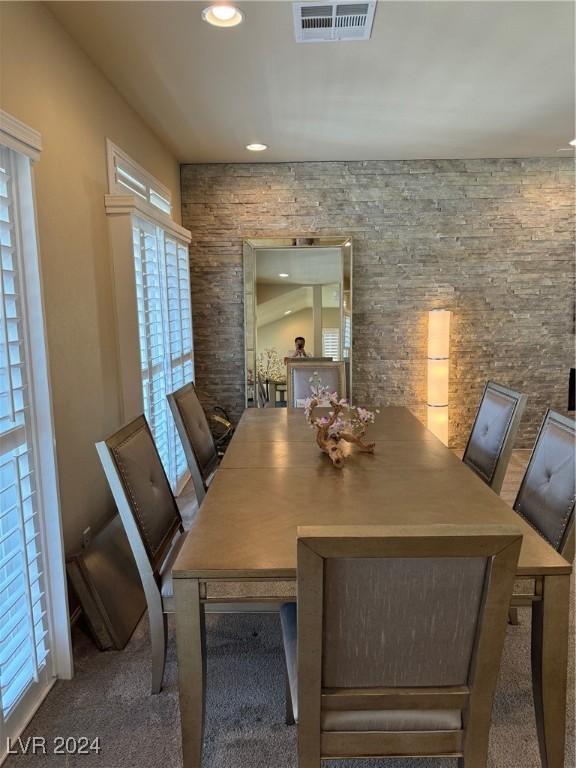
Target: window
30,537
331,343
165,334
347,335
23,626
152,291
127,177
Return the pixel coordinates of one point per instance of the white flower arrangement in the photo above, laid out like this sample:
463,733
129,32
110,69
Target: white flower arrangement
271,367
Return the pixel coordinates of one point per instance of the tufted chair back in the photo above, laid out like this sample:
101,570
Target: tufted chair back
493,433
195,435
546,496
141,491
300,371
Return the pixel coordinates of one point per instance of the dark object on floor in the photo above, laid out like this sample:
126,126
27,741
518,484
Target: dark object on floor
106,581
222,428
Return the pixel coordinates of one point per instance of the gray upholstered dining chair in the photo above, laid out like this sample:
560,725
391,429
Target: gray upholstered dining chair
152,522
155,532
546,497
195,436
300,371
493,433
395,644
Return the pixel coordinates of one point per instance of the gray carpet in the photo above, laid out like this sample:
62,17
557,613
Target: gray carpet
109,697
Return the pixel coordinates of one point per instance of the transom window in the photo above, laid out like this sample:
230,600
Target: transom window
125,176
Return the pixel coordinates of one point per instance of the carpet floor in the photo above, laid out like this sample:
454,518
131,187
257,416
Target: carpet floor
109,698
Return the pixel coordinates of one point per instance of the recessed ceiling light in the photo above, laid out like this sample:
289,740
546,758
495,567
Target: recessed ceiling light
223,15
288,311
572,143
283,274
256,147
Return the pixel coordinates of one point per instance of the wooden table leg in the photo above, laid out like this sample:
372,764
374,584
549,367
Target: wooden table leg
191,648
550,619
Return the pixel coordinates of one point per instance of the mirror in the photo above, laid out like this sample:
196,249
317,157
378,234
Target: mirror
294,288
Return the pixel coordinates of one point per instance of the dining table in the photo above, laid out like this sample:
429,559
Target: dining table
274,478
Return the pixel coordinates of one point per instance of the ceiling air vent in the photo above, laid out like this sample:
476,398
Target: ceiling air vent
325,22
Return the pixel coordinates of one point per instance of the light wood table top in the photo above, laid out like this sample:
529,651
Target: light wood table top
274,478
305,454
288,425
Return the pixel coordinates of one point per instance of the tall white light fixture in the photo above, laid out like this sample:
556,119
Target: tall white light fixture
438,371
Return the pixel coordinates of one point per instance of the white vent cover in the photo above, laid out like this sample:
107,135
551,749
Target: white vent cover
316,22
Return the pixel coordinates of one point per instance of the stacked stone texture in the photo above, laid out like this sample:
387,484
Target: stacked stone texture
492,240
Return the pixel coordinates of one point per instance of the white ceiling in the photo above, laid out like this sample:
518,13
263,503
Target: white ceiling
276,308
295,300
438,79
304,266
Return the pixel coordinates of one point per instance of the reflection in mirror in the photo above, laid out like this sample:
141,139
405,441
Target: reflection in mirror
297,304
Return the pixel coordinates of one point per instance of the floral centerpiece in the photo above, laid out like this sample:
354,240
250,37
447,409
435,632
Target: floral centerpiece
343,424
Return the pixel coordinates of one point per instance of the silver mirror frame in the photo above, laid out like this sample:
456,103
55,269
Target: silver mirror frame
250,246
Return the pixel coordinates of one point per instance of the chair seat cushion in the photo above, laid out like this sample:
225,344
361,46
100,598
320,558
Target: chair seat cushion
392,720
253,590
360,720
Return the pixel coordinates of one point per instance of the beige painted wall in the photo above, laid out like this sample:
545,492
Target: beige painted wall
50,84
330,317
267,291
280,335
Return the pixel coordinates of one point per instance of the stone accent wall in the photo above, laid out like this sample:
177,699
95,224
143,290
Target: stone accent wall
492,240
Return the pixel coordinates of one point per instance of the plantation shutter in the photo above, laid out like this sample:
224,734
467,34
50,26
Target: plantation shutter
331,343
347,334
165,334
24,642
